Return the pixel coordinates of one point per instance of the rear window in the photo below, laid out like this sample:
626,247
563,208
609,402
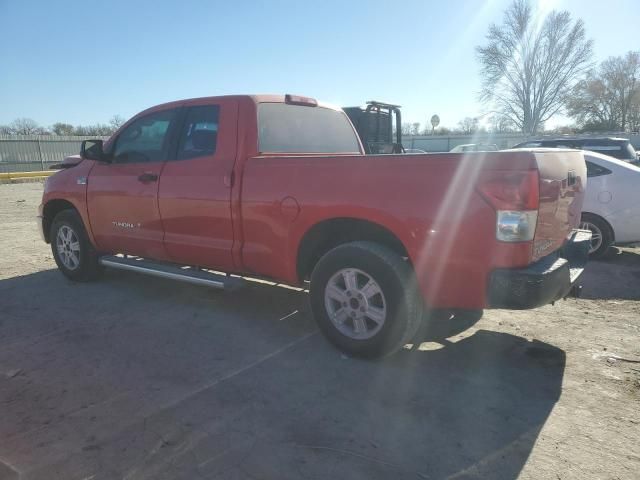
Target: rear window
284,128
617,149
612,150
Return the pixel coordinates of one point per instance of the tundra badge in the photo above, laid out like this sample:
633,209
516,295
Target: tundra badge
125,224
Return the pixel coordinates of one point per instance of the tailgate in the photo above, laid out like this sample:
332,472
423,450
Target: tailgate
563,179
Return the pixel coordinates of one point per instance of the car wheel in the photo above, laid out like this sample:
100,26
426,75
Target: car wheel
75,256
365,299
601,234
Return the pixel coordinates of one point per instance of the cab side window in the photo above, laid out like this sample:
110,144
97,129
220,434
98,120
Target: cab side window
145,139
199,135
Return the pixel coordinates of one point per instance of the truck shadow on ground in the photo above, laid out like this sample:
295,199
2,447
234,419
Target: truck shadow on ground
615,276
142,378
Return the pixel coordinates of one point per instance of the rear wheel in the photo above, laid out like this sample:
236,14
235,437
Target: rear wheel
601,234
71,248
365,299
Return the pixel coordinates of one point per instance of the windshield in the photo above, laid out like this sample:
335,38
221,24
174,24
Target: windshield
284,128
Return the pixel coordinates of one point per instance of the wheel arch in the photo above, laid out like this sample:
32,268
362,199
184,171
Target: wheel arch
328,234
49,212
606,222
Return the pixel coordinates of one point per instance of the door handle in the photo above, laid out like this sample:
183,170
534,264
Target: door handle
148,177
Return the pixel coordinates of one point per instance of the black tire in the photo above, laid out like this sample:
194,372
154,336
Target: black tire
598,225
396,281
87,267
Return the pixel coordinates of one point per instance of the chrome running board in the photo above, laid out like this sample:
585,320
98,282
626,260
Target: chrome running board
171,271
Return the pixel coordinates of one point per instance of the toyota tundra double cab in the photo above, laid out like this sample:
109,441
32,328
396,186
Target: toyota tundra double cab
279,187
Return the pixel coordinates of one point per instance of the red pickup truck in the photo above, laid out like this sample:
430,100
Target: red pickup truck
279,187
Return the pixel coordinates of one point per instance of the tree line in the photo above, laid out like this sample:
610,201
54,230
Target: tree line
466,126
534,67
27,126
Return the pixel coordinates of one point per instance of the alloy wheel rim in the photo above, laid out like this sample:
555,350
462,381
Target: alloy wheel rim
596,235
68,247
355,303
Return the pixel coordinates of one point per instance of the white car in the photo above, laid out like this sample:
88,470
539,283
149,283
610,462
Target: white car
474,147
611,207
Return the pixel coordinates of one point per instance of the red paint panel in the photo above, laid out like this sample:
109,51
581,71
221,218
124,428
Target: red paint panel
64,185
124,210
195,198
429,202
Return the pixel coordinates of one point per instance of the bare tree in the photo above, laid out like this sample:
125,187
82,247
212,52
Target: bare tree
564,130
61,128
501,124
406,128
591,104
116,122
634,113
99,130
24,126
530,63
468,125
607,98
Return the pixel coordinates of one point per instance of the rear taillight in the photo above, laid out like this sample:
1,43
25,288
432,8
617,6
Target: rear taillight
516,226
510,190
515,197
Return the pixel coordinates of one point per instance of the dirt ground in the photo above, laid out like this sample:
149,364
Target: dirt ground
140,378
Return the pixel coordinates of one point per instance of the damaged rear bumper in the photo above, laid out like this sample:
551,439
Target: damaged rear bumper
545,281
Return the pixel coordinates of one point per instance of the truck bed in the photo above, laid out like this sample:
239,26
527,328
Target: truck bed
447,227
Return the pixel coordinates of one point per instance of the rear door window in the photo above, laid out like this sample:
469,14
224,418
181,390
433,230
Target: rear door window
199,135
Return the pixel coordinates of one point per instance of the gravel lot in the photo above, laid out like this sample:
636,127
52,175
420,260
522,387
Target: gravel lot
140,378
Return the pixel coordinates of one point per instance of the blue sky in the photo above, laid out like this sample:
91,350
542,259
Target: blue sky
84,61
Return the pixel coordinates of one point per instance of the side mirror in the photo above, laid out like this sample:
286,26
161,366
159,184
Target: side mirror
92,150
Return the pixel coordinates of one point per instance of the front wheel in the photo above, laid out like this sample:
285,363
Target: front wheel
71,248
365,299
